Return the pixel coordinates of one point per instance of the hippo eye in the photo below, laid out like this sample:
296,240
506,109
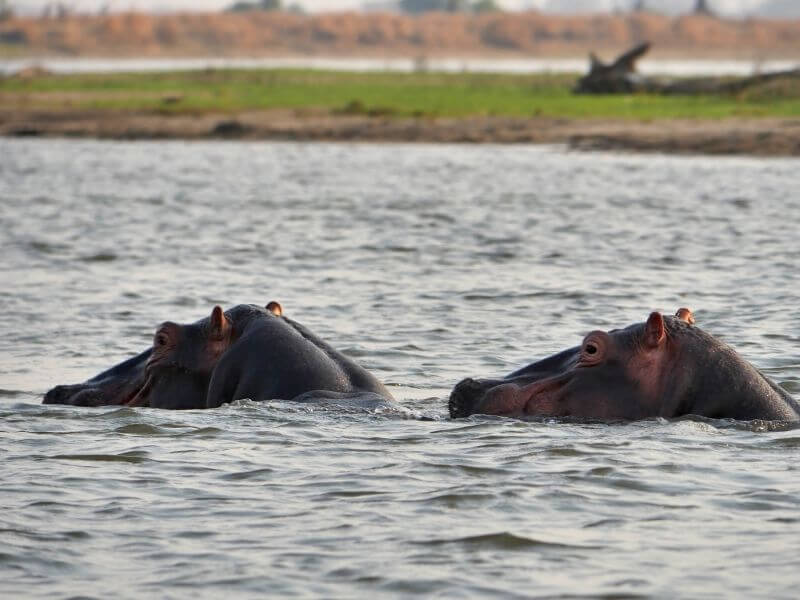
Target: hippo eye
593,349
161,340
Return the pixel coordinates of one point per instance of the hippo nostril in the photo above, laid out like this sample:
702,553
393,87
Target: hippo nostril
58,395
462,398
456,406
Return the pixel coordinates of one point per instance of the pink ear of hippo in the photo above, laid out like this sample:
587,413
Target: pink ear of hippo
685,315
654,330
219,323
275,308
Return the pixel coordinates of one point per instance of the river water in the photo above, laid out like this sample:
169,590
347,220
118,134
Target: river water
426,263
675,67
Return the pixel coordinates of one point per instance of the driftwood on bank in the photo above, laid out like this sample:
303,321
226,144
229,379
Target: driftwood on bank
620,77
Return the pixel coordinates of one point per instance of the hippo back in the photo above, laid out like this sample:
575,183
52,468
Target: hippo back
277,358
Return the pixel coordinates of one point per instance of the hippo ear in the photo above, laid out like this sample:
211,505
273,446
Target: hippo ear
275,308
219,325
654,330
685,315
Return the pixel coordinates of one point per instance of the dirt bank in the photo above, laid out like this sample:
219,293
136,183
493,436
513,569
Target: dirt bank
763,137
523,34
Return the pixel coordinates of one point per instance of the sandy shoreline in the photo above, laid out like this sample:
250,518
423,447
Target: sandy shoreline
760,137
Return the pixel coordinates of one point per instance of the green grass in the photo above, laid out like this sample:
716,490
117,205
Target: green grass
393,94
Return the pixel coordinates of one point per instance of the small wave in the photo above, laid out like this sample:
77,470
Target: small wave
201,432
547,294
472,470
57,536
696,425
114,414
244,475
335,494
473,424
100,257
501,541
755,426
195,535
140,429
460,500
787,442
47,247
566,451
605,523
134,456
327,403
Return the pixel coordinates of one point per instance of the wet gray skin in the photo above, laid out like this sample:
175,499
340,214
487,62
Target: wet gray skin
665,367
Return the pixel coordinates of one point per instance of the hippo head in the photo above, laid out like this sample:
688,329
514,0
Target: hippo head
174,373
628,373
181,361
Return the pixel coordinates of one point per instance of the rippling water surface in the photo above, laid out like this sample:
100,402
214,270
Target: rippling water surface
427,264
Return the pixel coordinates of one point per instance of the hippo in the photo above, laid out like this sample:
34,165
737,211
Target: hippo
665,367
248,351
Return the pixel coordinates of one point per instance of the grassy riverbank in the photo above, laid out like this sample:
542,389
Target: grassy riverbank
425,107
377,94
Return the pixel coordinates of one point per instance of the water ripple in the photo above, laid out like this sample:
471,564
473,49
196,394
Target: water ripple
428,264
501,541
130,457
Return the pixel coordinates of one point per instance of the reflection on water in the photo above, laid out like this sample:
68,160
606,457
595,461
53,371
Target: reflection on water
427,263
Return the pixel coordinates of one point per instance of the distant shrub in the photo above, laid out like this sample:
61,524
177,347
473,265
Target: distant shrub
251,6
13,37
485,6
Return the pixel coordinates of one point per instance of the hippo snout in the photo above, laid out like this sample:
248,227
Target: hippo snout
464,398
59,394
76,395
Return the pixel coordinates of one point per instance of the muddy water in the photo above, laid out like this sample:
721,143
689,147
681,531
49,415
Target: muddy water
427,263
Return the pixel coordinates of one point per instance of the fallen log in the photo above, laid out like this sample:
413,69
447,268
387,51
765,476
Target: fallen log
720,85
620,77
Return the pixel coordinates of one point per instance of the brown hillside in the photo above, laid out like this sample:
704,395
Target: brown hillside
434,34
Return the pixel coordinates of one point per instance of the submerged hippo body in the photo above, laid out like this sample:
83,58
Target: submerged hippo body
665,367
245,352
